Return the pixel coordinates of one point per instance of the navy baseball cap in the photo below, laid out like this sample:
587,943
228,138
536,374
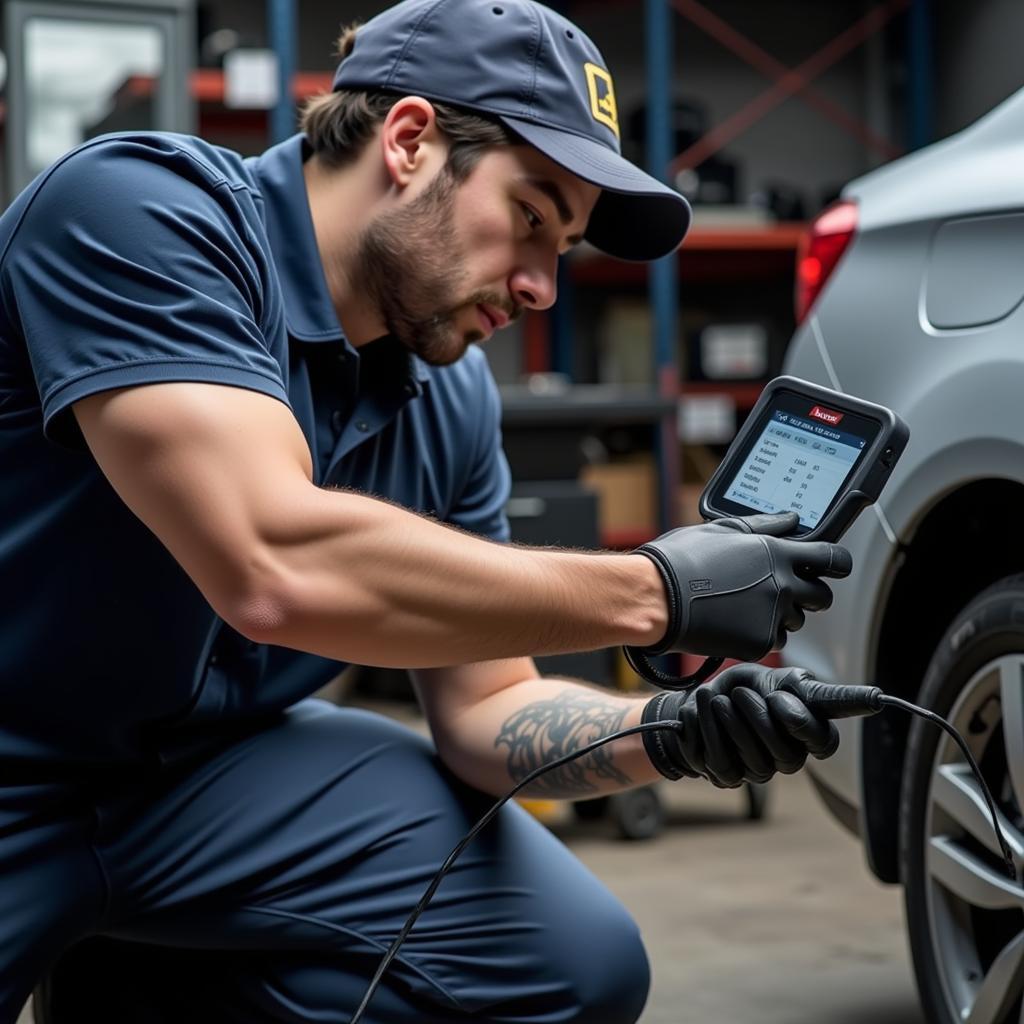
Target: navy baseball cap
538,74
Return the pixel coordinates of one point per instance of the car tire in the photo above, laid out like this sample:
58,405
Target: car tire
757,800
964,916
591,810
637,813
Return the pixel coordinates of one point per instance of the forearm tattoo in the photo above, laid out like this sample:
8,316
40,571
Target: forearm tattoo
548,729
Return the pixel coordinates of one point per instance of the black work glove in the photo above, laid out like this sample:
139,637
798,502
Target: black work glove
735,586
745,725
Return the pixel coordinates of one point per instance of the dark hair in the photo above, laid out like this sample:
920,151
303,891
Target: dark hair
339,124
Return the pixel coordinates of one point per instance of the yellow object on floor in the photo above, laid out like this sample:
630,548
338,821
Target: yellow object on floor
546,811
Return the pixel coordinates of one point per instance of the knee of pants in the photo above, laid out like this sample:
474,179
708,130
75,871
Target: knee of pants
603,978
606,970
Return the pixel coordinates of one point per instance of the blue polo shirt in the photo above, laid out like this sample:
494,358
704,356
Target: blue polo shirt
142,258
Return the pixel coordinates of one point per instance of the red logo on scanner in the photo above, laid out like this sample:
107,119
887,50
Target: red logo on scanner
826,415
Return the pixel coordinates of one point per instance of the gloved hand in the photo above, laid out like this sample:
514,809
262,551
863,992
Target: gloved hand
735,586
745,725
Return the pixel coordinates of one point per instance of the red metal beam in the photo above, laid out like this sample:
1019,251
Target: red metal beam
762,61
788,82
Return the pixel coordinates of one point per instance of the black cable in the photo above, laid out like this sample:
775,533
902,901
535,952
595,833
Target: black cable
472,834
930,716
644,667
896,702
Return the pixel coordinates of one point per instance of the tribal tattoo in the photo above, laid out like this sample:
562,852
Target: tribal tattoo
546,730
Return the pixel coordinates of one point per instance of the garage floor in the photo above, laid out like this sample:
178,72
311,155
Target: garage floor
773,922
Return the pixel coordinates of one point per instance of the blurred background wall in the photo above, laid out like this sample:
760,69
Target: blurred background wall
620,401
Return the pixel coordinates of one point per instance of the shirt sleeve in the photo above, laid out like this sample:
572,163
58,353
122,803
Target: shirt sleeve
135,264
481,506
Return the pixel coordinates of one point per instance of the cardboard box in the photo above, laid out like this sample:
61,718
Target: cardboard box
688,505
627,492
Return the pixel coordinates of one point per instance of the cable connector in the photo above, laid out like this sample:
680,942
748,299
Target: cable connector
836,701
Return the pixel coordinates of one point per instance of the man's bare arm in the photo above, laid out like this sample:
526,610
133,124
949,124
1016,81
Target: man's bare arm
222,476
494,723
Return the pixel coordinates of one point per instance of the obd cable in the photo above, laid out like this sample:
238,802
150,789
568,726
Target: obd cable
839,702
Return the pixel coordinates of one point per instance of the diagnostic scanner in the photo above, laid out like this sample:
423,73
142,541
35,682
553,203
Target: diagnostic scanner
806,449
810,450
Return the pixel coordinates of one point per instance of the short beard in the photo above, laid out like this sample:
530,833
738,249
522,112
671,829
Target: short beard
409,264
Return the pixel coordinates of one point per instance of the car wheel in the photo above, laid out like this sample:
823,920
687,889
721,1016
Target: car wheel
964,916
757,800
638,813
591,810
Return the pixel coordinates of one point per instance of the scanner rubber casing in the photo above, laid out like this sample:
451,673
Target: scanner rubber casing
861,488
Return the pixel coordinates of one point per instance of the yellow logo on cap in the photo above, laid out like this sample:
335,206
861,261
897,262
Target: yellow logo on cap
602,97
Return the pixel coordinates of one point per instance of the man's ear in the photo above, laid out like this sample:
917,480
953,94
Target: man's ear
410,140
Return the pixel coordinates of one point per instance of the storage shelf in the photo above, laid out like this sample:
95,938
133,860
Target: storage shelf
744,393
207,84
707,254
583,404
625,540
783,236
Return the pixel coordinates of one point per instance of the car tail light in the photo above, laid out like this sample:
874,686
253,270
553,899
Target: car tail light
819,252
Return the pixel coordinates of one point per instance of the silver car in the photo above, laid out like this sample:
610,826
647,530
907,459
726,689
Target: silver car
911,296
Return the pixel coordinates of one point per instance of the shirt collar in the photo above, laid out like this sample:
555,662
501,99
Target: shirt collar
308,310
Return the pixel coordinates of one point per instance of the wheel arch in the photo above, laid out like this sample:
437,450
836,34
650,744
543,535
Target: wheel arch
964,542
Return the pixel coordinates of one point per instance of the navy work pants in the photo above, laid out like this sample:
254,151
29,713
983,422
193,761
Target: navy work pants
262,881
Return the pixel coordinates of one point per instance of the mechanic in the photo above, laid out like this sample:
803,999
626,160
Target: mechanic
246,438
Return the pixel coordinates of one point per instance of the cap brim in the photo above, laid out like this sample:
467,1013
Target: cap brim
636,217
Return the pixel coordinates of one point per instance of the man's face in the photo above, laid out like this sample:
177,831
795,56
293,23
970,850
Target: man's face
458,261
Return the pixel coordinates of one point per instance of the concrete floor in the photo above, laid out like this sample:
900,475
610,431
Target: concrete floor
774,922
